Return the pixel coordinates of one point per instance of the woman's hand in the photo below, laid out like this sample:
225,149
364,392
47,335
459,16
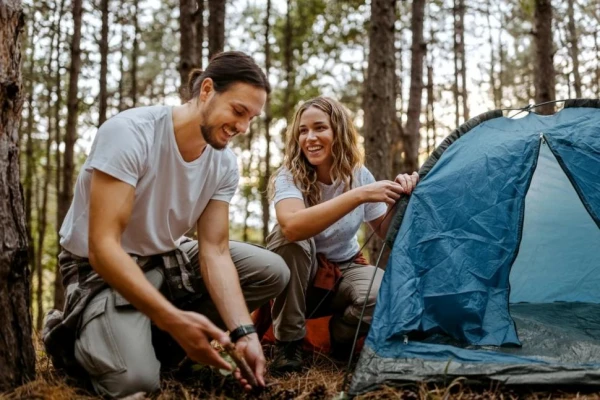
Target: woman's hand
381,192
407,182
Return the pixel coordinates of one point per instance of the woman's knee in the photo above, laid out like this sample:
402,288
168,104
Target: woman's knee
279,271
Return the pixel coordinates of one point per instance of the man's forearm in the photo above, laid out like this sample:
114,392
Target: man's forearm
222,281
119,270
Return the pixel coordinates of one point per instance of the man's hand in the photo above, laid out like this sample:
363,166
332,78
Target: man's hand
408,182
194,332
249,346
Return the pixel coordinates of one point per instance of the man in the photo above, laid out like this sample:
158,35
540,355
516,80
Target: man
152,174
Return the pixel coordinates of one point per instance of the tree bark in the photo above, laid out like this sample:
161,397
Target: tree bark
412,138
574,48
544,76
216,27
66,194
380,125
264,198
103,96
17,357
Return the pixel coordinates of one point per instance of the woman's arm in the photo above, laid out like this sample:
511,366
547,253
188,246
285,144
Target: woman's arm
300,223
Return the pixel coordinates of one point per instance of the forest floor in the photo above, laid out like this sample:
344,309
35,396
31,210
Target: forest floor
322,379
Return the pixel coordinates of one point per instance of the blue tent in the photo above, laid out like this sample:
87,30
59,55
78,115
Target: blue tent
494,272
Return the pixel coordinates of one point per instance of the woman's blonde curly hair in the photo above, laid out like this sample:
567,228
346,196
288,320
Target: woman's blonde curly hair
347,156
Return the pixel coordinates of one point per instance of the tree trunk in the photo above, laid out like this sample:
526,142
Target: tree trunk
51,125
544,76
380,124
397,151
430,107
199,33
597,48
264,198
430,111
103,96
455,87
121,87
412,138
501,59
66,194
574,49
134,54
462,56
216,27
288,65
187,44
17,357
58,289
493,87
41,234
246,168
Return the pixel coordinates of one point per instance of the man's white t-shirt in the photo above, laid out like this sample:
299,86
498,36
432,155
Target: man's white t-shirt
138,147
338,242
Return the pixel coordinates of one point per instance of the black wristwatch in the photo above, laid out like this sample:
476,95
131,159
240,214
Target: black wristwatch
241,331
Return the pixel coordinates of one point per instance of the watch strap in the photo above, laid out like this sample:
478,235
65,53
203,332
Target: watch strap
241,331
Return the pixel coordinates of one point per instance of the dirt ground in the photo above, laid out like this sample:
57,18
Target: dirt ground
322,379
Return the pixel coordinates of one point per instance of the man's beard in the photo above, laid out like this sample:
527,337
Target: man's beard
209,132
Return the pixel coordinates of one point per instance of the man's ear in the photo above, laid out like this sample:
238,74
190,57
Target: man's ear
206,89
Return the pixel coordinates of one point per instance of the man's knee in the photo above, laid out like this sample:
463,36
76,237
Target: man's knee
278,243
143,377
115,347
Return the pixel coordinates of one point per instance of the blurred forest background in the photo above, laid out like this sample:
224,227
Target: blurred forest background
409,71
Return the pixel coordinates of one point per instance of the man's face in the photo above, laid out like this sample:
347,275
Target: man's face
229,113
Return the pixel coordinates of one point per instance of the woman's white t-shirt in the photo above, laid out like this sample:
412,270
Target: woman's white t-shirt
338,242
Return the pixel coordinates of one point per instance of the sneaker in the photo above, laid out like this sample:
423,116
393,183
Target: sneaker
288,357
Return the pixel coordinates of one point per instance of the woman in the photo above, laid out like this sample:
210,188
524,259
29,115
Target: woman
322,194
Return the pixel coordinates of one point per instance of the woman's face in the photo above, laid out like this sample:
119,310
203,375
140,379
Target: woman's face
316,137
